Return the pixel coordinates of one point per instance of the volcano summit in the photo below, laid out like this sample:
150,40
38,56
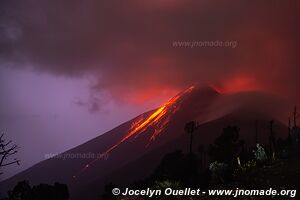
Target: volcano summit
131,151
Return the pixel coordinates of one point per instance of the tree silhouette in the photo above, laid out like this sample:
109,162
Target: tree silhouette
295,116
7,149
23,191
177,166
227,146
48,192
201,150
20,192
272,141
190,127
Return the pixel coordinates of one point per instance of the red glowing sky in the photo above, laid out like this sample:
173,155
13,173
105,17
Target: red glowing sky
127,46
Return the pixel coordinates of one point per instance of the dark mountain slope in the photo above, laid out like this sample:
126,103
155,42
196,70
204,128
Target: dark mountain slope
151,135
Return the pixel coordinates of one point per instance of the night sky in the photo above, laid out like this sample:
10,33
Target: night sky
71,70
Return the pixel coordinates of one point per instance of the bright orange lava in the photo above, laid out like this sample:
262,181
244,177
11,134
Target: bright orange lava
158,120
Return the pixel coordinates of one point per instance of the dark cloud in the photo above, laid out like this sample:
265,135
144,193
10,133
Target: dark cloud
127,45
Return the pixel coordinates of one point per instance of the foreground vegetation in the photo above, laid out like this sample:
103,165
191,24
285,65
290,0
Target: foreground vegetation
232,164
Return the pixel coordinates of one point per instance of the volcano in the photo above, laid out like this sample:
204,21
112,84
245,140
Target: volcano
132,150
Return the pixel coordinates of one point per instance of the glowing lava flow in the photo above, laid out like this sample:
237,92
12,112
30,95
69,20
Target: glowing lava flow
157,120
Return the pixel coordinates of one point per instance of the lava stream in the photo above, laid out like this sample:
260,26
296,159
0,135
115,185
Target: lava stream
158,120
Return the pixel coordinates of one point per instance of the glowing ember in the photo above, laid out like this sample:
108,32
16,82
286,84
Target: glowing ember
157,120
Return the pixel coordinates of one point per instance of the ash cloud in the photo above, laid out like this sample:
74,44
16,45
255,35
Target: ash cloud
127,45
